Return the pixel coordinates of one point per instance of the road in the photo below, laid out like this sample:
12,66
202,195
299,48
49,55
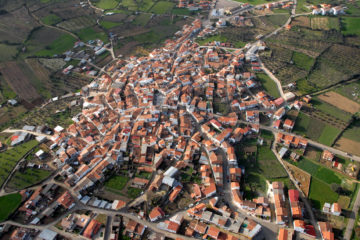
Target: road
108,227
352,218
310,142
26,131
302,195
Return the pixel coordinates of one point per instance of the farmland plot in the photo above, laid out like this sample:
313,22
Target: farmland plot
340,102
77,23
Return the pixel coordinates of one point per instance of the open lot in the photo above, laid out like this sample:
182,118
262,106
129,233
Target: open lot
10,157
105,4
8,205
340,102
321,193
117,182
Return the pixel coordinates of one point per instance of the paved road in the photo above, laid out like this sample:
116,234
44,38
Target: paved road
108,227
352,218
310,142
302,195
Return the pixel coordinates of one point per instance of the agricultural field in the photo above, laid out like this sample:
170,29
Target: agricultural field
322,179
324,23
142,19
162,7
348,145
316,129
51,19
26,178
108,24
319,56
350,25
105,4
340,102
58,46
9,203
9,158
350,90
331,110
8,52
90,33
321,193
302,60
268,84
353,131
19,81
77,23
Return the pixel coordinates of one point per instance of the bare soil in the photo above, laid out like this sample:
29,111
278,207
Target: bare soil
340,102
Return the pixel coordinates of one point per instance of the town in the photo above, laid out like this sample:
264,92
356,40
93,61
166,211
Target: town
167,146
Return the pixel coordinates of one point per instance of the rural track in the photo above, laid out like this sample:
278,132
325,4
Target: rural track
50,26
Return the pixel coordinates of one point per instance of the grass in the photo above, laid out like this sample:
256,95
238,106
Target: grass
9,158
321,193
89,33
7,52
303,61
328,135
51,19
133,192
142,19
8,205
108,24
162,7
353,131
350,25
59,46
269,166
327,176
253,2
116,182
218,38
106,4
308,166
181,11
27,178
268,84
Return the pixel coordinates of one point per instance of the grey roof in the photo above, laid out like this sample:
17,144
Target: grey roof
47,234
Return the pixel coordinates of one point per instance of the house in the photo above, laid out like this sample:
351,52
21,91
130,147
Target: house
327,155
92,229
285,234
336,209
213,232
279,113
299,226
326,231
46,234
288,124
156,214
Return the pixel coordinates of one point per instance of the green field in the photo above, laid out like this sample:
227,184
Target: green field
330,109
62,44
308,166
181,11
350,90
321,193
268,84
116,182
142,19
162,7
218,38
51,19
302,60
328,176
353,131
89,33
106,4
146,5
269,166
328,135
108,24
350,25
253,2
27,178
133,192
8,205
7,52
9,158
